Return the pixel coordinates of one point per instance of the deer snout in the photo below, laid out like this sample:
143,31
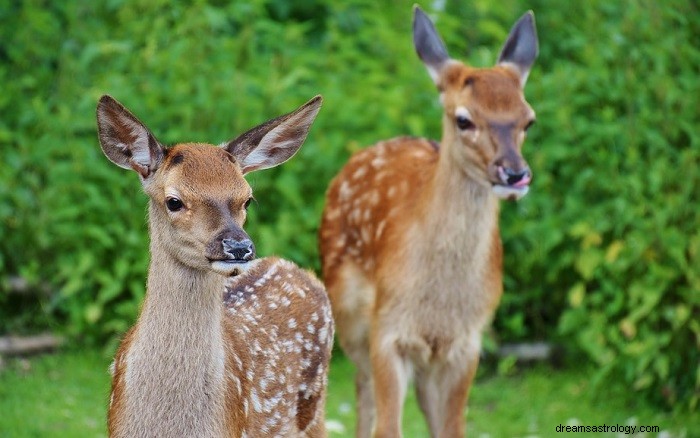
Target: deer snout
511,179
514,177
230,252
239,250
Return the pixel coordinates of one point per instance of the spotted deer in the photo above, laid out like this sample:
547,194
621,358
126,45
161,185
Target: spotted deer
226,345
410,244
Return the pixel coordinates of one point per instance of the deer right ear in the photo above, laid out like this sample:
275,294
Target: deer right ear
276,140
520,49
429,46
125,140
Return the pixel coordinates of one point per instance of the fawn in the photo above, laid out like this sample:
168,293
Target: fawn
410,244
225,344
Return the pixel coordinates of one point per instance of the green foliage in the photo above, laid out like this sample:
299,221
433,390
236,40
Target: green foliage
602,256
607,245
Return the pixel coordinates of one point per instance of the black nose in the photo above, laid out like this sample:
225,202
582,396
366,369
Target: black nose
515,176
240,250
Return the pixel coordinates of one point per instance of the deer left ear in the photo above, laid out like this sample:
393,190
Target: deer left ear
276,140
520,49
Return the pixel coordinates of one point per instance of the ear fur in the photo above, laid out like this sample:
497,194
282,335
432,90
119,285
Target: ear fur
429,46
125,140
520,49
276,140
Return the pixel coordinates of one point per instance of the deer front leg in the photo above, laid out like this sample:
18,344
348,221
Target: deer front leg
442,395
391,373
428,395
363,388
365,402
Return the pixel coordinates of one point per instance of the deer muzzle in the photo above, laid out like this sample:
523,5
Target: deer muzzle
230,252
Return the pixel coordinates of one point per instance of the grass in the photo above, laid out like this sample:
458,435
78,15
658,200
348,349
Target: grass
66,395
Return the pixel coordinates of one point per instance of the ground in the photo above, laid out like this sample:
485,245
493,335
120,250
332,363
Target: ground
66,395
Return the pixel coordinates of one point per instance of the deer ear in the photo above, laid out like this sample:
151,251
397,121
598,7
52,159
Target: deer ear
276,140
429,46
520,49
125,140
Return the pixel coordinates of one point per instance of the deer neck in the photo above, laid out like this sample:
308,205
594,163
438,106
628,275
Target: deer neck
458,192
460,212
178,352
178,295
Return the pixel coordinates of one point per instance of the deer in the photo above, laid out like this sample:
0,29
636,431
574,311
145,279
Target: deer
409,239
226,344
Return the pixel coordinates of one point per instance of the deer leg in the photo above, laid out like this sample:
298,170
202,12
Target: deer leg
365,403
453,390
428,397
317,429
391,373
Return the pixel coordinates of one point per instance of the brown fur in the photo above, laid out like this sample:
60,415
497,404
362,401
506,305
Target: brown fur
411,249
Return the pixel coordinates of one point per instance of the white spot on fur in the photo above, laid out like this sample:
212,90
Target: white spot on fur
366,234
359,173
379,176
379,230
345,192
333,213
323,334
257,406
378,162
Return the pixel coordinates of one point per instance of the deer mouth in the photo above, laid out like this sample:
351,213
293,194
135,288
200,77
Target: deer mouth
230,267
511,186
511,193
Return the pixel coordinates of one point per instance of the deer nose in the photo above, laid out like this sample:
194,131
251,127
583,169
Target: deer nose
239,250
515,178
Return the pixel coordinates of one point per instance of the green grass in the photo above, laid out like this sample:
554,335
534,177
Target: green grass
62,395
65,395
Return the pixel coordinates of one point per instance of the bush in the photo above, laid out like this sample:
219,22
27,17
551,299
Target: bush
602,256
607,246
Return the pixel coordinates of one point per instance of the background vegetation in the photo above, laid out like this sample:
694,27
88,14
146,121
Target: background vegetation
603,257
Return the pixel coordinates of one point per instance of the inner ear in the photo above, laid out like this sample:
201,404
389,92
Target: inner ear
126,141
274,141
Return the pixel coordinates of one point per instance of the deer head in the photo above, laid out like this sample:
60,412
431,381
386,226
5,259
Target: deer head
486,115
198,195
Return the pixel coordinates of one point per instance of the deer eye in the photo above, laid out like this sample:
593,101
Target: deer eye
464,123
174,204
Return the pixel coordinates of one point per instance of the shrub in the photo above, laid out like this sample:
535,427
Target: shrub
606,247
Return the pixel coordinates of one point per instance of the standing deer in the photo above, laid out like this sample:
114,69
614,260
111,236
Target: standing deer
226,345
410,244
